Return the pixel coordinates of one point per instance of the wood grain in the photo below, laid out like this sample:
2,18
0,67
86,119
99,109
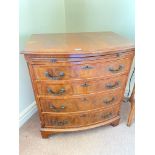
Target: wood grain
77,87
46,132
78,79
76,43
81,103
79,119
78,71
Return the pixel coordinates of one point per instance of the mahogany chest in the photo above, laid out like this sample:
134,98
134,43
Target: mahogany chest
78,79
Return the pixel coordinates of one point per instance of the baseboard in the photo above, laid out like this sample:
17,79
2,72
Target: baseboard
25,115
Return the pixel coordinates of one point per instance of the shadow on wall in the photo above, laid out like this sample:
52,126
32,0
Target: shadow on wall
25,89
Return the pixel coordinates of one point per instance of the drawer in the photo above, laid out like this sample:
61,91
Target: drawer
59,61
77,87
79,119
81,103
78,71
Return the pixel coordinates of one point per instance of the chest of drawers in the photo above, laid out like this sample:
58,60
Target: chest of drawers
78,79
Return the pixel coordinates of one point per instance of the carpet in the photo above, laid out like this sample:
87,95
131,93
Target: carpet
105,140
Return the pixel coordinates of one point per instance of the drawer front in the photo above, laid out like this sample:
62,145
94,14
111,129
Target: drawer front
78,87
79,119
82,103
59,61
89,70
65,73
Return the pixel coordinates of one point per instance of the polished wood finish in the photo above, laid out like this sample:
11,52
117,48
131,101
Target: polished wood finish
75,120
83,70
78,79
46,132
81,103
132,108
77,87
76,43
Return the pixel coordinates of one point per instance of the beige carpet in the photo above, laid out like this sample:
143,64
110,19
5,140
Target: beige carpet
105,140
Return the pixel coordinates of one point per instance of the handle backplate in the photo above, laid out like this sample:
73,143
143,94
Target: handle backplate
53,60
116,70
57,109
53,77
112,85
106,101
59,122
60,92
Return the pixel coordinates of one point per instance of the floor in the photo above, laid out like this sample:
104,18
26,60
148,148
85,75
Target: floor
105,140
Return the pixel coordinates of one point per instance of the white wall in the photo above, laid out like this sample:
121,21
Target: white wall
100,15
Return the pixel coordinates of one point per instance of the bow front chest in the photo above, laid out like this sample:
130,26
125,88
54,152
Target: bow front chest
78,79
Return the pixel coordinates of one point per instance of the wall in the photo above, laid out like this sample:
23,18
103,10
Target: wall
100,15
36,16
56,16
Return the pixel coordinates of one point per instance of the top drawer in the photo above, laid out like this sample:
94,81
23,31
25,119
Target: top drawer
62,60
86,70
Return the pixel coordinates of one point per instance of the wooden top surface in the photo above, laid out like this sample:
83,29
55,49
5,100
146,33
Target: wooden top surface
76,43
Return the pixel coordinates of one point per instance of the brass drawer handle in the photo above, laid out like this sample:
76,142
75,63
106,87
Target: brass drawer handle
109,101
60,92
85,85
61,75
55,109
116,70
87,67
107,115
111,86
59,122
